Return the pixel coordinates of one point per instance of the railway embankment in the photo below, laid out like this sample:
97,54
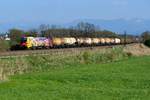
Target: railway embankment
56,59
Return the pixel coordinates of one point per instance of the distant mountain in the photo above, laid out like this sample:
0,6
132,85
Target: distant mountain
4,27
132,26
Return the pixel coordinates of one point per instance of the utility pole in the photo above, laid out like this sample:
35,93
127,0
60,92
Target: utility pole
125,38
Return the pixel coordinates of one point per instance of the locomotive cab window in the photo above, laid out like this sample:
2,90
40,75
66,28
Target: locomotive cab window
23,40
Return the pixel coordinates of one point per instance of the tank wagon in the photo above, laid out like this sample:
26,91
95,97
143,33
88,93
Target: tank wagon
69,42
43,42
107,41
57,42
117,41
102,41
80,41
87,41
95,41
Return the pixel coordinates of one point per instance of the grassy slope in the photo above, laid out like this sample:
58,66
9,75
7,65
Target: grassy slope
128,79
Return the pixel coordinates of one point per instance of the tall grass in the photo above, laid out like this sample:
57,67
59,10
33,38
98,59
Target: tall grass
113,54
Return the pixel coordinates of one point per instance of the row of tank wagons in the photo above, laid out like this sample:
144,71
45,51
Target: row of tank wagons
84,41
129,40
43,42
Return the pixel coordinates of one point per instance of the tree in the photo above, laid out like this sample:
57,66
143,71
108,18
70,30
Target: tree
145,35
86,29
43,28
15,35
32,32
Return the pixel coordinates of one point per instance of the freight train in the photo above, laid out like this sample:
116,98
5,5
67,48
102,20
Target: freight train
65,42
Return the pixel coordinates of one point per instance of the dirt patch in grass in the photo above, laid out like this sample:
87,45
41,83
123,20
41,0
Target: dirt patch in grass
137,50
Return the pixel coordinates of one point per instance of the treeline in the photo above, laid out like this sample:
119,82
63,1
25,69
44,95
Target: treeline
82,29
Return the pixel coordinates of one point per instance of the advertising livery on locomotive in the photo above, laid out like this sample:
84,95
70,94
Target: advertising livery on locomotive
43,42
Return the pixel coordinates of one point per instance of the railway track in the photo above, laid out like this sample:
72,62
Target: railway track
22,53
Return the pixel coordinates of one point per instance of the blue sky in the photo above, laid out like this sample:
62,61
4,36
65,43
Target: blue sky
68,10
65,11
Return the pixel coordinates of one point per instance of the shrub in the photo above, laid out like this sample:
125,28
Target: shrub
147,43
4,45
86,57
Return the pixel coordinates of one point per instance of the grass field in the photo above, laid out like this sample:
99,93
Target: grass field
127,79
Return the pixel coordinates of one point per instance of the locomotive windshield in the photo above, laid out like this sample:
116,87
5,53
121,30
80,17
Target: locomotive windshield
23,40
